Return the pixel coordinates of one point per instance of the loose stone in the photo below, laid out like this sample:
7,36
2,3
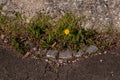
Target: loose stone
67,54
78,54
52,53
91,49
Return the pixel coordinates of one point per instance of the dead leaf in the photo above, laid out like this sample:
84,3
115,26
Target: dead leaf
53,45
26,55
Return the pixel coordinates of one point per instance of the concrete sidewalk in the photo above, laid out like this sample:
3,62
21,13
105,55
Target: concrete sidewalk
99,67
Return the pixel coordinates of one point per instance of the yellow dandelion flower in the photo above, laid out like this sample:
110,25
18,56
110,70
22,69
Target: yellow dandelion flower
66,31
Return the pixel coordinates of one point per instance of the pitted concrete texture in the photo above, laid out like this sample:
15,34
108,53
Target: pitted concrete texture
100,14
99,67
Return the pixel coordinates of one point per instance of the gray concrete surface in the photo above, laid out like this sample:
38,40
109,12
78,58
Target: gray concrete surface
100,14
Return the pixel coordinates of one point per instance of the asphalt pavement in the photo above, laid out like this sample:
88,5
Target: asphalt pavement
99,67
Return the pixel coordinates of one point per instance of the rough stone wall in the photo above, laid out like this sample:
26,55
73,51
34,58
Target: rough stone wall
99,13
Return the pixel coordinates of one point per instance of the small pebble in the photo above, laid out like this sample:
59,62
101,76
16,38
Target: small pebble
27,20
39,49
2,36
69,61
95,54
5,41
60,61
101,60
105,52
99,53
49,62
112,73
86,57
46,60
77,59
64,64
74,61
34,48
